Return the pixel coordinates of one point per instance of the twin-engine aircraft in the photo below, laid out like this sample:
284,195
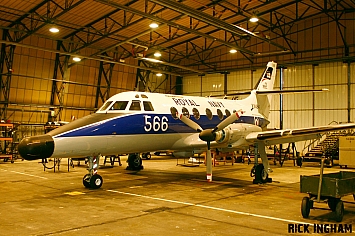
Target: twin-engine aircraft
140,122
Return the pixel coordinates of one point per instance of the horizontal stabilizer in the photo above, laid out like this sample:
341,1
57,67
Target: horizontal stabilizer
292,91
275,92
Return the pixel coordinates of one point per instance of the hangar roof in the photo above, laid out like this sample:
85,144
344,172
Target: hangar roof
193,35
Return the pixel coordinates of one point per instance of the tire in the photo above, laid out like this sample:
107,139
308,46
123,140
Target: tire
148,156
305,207
86,181
261,174
252,172
264,175
332,203
339,211
96,182
134,162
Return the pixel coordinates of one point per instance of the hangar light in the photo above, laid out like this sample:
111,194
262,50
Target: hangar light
157,54
54,29
76,59
153,25
254,19
233,51
159,74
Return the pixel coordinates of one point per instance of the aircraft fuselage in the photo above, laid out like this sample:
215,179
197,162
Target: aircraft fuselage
131,122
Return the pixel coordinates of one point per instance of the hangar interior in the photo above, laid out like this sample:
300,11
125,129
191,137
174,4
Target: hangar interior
312,42
60,60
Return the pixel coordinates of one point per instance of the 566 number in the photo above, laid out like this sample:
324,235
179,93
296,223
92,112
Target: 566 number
155,123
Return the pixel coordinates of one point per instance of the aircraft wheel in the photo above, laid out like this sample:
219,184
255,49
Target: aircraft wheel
264,175
148,156
339,211
252,172
96,182
261,175
134,162
305,207
332,203
86,181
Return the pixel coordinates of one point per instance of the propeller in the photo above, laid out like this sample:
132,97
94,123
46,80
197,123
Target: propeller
209,135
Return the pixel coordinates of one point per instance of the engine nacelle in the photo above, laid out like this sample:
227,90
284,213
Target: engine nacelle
235,133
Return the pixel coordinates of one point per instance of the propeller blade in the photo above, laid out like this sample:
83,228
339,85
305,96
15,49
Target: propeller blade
209,162
193,125
229,120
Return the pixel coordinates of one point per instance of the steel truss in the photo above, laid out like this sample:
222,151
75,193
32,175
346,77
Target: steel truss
6,62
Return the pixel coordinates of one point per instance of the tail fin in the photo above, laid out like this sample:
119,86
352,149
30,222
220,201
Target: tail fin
265,83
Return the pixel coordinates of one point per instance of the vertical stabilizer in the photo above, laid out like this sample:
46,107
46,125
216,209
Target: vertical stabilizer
266,83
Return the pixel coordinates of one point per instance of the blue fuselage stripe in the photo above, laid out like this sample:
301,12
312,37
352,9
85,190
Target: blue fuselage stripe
150,124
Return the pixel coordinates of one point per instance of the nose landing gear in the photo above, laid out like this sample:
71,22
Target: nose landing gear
92,179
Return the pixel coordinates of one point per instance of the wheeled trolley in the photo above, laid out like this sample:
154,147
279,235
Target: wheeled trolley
328,188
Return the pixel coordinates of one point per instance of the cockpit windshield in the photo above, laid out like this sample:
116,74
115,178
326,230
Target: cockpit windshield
119,105
135,106
106,105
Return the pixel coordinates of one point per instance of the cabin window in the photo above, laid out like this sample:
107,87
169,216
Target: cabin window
119,105
228,113
106,105
209,114
148,106
220,114
143,96
185,112
135,106
174,112
196,113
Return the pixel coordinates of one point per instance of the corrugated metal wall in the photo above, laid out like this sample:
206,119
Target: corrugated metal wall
32,78
299,110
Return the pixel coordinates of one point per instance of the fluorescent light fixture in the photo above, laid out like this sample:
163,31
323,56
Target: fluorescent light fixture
233,51
151,60
157,54
159,74
76,59
254,19
54,29
153,25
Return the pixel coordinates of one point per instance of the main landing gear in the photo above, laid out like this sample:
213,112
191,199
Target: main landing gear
92,179
134,162
260,172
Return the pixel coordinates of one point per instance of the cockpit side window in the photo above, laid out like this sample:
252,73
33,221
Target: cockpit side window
106,105
119,105
148,106
135,106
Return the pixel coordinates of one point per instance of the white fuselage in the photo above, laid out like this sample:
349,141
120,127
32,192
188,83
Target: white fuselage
152,127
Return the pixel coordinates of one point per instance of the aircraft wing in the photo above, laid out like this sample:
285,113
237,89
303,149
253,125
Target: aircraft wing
294,135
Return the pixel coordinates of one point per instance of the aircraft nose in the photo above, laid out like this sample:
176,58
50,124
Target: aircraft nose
36,147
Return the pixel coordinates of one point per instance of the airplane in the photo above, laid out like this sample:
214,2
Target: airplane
140,122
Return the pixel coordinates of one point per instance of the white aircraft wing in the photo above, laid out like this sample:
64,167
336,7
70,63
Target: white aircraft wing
294,135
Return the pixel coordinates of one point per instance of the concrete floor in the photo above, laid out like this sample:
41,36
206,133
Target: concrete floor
162,199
